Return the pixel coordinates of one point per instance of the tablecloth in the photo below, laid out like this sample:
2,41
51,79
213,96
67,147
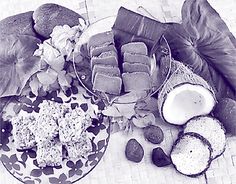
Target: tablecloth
114,168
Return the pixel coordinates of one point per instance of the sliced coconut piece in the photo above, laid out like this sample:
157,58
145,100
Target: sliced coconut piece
191,154
184,96
211,129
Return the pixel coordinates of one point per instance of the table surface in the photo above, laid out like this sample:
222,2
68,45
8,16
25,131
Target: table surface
114,167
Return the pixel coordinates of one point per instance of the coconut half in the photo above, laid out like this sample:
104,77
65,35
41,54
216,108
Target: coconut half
187,101
184,96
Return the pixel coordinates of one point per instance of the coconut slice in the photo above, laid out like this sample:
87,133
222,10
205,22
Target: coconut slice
191,154
211,129
184,96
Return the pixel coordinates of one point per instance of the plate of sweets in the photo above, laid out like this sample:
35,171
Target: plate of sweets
52,130
122,67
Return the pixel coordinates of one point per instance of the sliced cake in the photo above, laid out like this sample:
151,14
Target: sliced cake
135,67
49,153
111,60
107,54
136,81
107,84
134,48
106,69
100,49
100,39
136,58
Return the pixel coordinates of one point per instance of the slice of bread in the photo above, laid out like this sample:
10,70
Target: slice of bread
136,58
105,69
105,38
135,67
100,49
135,48
136,81
111,60
107,84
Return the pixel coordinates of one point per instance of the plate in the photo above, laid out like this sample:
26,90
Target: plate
160,68
23,164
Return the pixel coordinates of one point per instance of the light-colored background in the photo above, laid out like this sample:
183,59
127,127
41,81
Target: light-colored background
114,168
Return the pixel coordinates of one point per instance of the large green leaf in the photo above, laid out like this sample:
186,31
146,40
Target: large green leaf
17,63
205,44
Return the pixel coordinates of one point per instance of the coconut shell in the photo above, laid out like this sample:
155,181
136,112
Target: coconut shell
225,111
180,74
204,141
207,129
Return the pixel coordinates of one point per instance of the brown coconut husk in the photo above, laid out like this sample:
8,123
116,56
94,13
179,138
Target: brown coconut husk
180,74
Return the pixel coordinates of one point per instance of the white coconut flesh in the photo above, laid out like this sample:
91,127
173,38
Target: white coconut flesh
187,101
210,129
191,155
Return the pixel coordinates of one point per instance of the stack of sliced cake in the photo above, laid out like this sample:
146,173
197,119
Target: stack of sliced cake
136,67
106,75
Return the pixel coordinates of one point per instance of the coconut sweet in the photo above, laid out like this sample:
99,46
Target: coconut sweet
184,96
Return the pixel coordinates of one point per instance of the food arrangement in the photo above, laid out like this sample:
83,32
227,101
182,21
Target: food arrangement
105,66
54,122
53,129
138,58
